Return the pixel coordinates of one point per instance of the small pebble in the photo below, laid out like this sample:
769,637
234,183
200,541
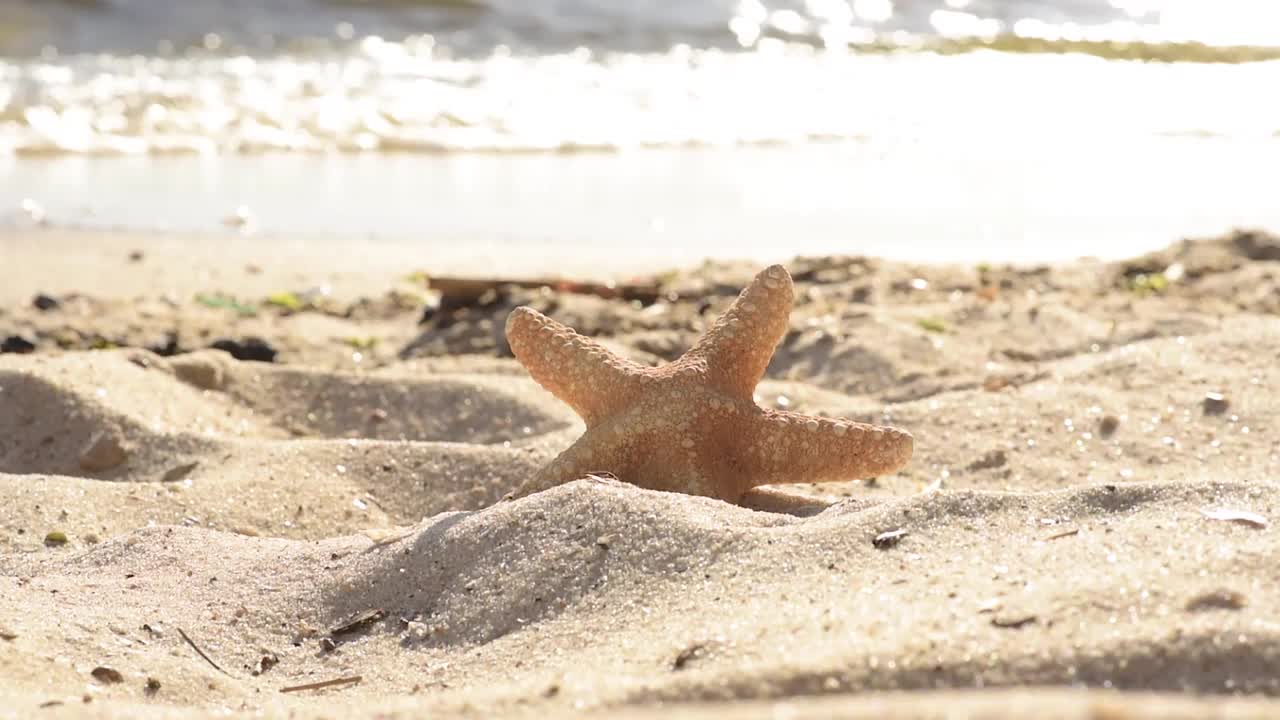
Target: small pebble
45,302
1215,403
1108,425
107,675
265,663
17,344
886,540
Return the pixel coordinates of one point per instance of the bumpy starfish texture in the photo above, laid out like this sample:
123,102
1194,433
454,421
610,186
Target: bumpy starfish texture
691,426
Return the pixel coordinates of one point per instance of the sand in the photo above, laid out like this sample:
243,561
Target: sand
1080,429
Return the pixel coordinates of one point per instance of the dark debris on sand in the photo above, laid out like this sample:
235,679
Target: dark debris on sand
861,325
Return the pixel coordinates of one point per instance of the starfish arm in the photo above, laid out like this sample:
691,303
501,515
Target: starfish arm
784,447
644,456
738,347
572,464
600,452
582,373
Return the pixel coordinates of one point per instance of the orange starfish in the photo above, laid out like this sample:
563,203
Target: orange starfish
691,426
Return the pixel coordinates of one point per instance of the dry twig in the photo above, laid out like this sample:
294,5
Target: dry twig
323,684
201,653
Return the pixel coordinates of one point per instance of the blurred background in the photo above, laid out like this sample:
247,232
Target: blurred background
648,131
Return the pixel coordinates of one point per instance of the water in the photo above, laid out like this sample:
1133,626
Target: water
220,76
538,27
1032,129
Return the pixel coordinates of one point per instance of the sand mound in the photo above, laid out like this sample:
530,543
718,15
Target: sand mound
598,593
209,441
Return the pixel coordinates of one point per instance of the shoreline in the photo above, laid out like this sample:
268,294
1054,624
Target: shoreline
121,263
1025,199
101,263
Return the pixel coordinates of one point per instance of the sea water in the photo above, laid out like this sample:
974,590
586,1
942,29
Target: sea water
961,129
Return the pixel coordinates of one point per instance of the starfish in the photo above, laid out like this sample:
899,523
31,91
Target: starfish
691,426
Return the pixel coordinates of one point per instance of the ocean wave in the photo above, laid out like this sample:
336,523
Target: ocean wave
381,96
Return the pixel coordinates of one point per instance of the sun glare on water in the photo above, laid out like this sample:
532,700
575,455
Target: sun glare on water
802,70
1222,23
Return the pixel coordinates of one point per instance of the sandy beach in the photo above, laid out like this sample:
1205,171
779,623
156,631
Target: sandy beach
246,479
